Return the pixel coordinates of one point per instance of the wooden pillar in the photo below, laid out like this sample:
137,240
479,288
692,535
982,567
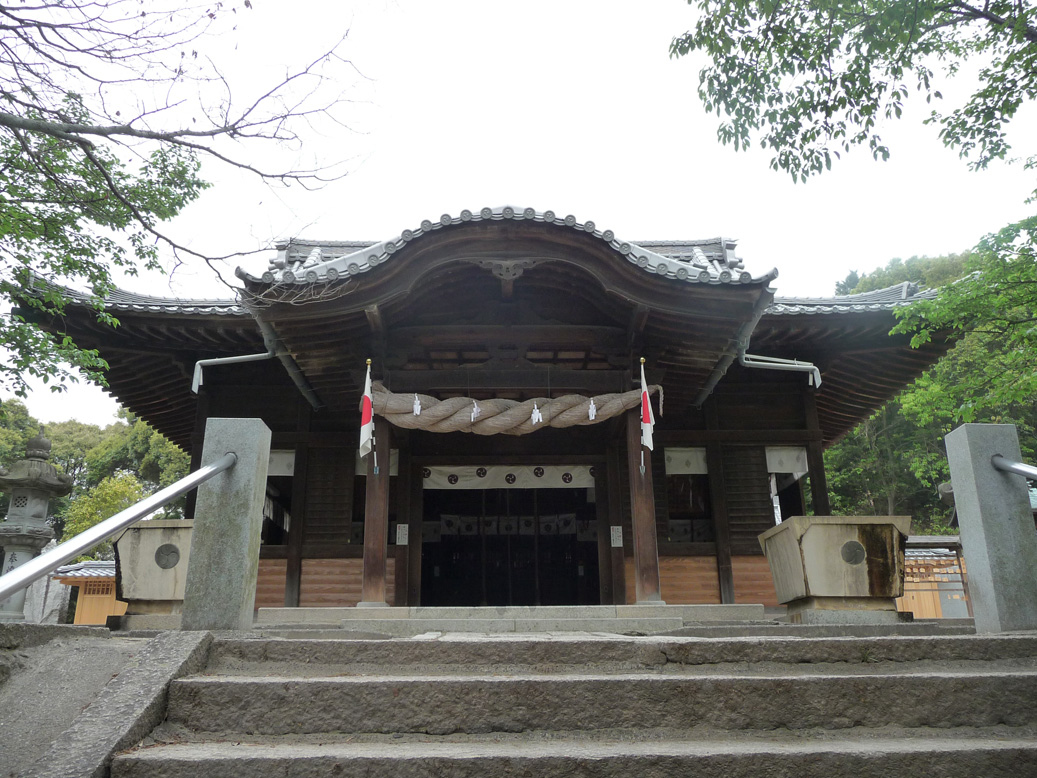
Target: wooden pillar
403,508
718,500
415,519
615,519
297,528
601,508
376,520
642,514
816,459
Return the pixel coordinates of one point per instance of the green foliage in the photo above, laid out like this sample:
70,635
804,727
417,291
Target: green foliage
997,302
814,79
888,466
136,447
17,427
113,494
898,455
927,272
103,120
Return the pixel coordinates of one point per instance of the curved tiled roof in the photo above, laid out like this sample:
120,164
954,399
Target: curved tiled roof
124,300
703,262
878,300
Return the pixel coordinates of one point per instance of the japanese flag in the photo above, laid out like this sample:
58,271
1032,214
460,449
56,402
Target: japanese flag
366,417
647,417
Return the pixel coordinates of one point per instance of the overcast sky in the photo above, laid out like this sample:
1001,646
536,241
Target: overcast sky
574,107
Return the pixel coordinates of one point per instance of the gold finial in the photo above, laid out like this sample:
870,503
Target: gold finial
642,360
369,362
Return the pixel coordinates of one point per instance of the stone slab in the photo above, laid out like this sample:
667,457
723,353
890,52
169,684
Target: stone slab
305,615
696,613
22,635
561,702
154,621
961,756
417,626
43,688
130,706
691,613
825,616
467,652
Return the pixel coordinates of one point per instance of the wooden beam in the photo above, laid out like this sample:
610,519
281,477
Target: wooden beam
376,520
462,379
638,320
377,325
642,513
703,437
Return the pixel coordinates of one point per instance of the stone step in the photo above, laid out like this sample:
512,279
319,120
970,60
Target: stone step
492,626
437,704
548,653
949,754
688,613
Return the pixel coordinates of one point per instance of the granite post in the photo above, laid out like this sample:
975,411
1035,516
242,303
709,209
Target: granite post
220,592
996,527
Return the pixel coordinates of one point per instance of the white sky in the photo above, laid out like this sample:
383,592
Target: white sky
575,107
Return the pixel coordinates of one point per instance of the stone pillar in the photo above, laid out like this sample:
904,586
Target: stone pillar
220,592
996,527
31,483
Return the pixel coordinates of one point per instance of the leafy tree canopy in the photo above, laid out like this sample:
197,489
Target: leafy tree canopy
107,108
997,302
893,461
113,494
815,79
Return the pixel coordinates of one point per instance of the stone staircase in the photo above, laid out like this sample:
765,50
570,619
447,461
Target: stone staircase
598,705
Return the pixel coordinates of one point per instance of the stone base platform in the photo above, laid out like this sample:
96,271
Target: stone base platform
404,621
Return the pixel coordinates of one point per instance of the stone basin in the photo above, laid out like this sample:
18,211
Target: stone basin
838,569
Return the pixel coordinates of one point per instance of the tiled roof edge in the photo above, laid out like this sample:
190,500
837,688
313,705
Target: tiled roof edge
886,299
305,262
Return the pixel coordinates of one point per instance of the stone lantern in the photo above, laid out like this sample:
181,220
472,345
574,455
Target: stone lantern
31,483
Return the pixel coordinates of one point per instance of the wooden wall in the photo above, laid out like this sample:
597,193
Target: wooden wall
685,580
330,583
270,583
753,581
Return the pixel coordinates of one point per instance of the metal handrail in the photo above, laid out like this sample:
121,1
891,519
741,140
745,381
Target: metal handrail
1008,466
50,561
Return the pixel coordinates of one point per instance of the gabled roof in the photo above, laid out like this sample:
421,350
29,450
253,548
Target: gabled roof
711,261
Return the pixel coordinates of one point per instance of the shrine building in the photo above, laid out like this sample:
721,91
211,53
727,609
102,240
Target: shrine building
475,325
